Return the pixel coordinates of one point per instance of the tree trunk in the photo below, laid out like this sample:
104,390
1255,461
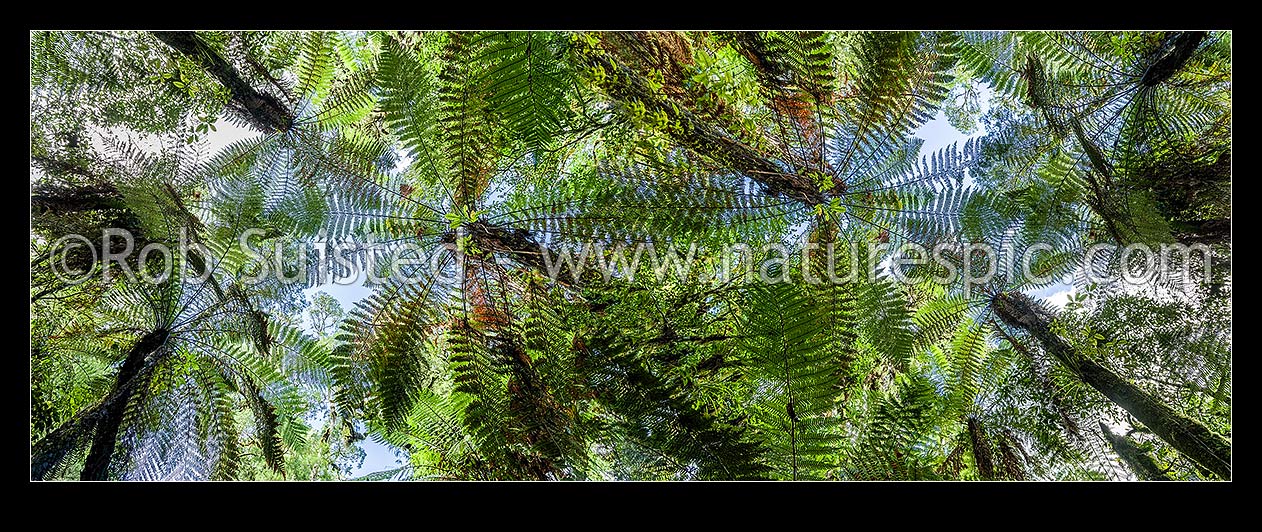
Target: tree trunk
262,110
1144,466
981,451
1192,439
519,244
88,209
1207,231
97,465
1181,50
624,85
51,198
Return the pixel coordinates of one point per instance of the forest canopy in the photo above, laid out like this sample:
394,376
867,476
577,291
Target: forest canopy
694,255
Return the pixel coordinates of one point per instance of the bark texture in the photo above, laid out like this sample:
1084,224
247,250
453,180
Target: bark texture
1190,438
1144,467
105,438
261,110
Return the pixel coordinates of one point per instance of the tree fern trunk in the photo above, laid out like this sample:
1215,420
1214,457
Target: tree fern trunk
1181,50
701,136
1186,435
61,199
1144,467
522,246
97,465
262,110
1205,231
981,451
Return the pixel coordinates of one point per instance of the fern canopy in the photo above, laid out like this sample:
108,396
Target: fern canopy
645,255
